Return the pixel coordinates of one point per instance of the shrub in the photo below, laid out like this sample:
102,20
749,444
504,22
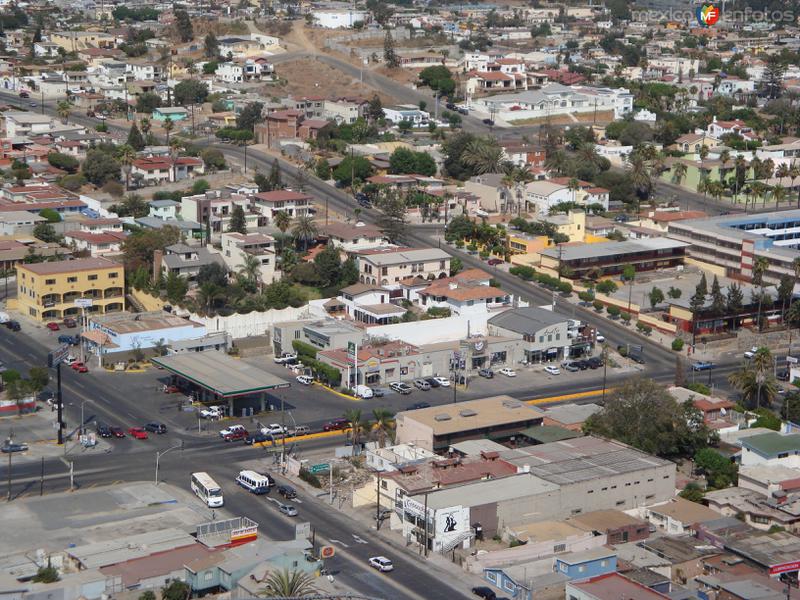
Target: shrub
310,478
48,574
677,344
304,350
606,287
523,272
625,316
586,296
565,287
614,311
598,306
700,388
459,244
645,329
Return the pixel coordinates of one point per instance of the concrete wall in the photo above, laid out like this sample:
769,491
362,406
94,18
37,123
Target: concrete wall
147,301
254,323
430,332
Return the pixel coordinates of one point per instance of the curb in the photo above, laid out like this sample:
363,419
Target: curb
333,391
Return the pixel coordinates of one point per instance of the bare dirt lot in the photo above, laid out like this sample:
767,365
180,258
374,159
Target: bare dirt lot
601,117
309,77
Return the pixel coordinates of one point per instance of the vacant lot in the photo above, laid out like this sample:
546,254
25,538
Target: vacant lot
309,77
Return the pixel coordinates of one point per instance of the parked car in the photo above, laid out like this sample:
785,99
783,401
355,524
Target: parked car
571,367
488,122
70,322
117,432
599,337
80,367
487,373
285,357
401,388
364,391
137,433
381,563
305,379
336,425
231,429
300,430
212,412
288,510
104,431
378,392
155,427
9,447
495,261
53,326
595,362
702,365
418,405
421,384
13,325
782,375
68,339
432,382
443,381
256,438
751,353
287,492
484,592
238,434
507,371
552,370
637,358
24,94
582,364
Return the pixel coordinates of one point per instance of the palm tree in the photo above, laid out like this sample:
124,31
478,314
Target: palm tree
779,195
739,167
781,172
144,126
587,154
304,230
250,270
288,584
760,267
574,185
724,159
208,294
282,220
679,172
484,155
168,126
792,317
755,381
354,416
126,154
703,154
64,108
794,173
384,422
640,179
556,161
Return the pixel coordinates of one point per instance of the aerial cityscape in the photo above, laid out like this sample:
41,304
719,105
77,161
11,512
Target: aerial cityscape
400,300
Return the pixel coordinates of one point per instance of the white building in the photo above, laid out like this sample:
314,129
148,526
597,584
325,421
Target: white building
144,71
465,296
771,449
249,70
406,112
338,19
236,247
545,194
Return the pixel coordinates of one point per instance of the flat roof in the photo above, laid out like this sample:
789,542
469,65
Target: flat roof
528,319
474,414
544,434
572,414
773,443
221,374
768,550
602,520
70,266
601,249
488,491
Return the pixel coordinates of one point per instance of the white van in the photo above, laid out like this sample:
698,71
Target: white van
253,482
4,318
364,391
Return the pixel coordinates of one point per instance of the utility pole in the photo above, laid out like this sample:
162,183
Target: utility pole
605,370
426,524
160,454
60,405
283,433
8,495
41,480
377,503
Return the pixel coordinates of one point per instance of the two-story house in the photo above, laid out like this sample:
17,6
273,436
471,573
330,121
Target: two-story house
294,204
467,293
387,267
236,247
352,238
186,261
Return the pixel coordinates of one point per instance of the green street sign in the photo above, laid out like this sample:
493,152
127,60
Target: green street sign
319,468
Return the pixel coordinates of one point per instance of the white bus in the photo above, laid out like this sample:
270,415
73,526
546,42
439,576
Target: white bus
207,489
254,482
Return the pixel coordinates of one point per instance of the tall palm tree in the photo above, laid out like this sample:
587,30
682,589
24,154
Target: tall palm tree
556,161
779,195
679,173
354,416
168,126
64,108
250,270
703,155
288,584
587,154
384,423
794,173
145,126
756,381
282,220
641,179
739,172
574,185
208,294
724,159
760,267
126,154
781,172
484,155
792,317
304,230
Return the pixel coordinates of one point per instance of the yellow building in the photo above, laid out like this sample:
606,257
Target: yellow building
525,248
47,291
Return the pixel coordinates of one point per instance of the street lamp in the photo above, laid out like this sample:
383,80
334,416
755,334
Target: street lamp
160,454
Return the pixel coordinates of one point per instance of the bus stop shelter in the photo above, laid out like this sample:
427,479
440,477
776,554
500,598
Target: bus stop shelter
221,378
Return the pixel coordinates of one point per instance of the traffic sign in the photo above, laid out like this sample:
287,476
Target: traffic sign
302,531
319,468
56,356
327,551
791,359
83,302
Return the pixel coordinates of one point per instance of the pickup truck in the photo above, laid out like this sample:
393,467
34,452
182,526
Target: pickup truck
286,357
212,412
235,434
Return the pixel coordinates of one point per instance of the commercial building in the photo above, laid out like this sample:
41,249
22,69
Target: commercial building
735,242
610,258
48,291
771,449
323,334
438,427
544,333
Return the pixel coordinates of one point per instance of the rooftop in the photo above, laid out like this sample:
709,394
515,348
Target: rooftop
602,249
614,587
478,493
603,520
126,322
527,320
572,414
685,511
543,434
473,414
773,443
70,266
396,256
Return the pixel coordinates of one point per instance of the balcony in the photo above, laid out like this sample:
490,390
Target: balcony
49,300
114,292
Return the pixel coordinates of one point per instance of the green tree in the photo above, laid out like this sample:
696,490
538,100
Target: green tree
755,381
692,492
275,182
392,220
176,590
250,115
323,169
404,161
100,167
389,54
135,138
46,233
349,273
767,419
147,595
642,414
455,266
237,223
213,273
384,423
38,378
176,287
48,574
139,246
304,230
718,303
190,91
656,297
353,415
148,102
288,584
718,470
329,265
65,162
50,214
438,78
352,168
375,109
282,220
214,159
211,46
483,155
183,25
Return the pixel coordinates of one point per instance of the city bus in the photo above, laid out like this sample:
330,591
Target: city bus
207,489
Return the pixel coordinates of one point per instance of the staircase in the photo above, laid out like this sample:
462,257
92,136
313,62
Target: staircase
456,541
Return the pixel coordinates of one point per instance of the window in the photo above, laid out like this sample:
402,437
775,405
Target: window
508,585
492,577
559,548
208,575
113,275
620,502
541,339
783,455
92,277
628,484
613,487
297,334
49,281
384,485
604,489
590,492
581,568
649,496
72,279
603,563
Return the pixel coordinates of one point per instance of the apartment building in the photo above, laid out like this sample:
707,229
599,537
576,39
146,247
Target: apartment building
48,291
236,247
388,267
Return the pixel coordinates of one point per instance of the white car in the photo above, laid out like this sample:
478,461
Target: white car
552,370
508,372
70,359
442,381
285,357
231,430
288,510
273,429
381,563
599,337
305,379
751,353
212,412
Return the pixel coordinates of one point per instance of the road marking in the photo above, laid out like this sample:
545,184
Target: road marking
359,540
341,543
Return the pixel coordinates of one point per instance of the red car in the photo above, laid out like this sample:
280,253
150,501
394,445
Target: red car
137,433
495,261
238,434
336,425
80,367
53,326
117,432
